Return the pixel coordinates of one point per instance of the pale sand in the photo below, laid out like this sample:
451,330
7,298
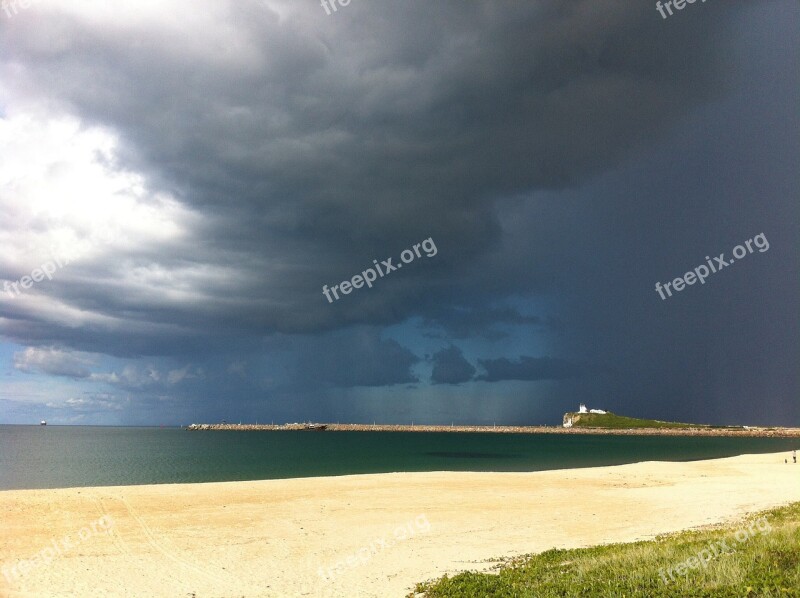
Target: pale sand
269,538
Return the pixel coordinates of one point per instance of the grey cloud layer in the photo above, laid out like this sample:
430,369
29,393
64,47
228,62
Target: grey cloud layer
451,367
528,368
562,154
312,145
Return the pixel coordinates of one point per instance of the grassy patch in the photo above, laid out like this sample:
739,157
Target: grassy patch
765,563
611,420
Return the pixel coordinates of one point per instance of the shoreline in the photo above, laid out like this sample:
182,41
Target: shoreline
367,534
743,431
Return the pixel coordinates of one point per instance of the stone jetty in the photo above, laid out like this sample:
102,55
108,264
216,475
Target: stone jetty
746,431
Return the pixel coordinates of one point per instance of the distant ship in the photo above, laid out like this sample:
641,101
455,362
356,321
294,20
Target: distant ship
42,423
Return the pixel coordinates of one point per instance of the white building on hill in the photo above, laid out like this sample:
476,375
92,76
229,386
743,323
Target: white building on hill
568,423
582,409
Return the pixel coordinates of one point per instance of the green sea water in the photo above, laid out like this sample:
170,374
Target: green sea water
70,456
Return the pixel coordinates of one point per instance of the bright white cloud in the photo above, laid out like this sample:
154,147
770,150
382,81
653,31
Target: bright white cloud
49,360
176,376
134,376
131,376
61,192
99,402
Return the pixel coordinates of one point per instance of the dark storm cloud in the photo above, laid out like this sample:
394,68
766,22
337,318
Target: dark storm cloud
312,145
451,367
461,323
355,358
528,368
563,155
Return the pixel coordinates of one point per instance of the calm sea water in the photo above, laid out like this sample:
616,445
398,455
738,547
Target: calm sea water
67,456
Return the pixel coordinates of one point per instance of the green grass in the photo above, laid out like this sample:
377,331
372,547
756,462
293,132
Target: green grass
611,420
766,564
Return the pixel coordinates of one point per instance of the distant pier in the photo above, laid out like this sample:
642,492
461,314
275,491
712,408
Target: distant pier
745,431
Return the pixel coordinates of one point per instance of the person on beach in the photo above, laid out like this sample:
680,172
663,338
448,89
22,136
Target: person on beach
794,456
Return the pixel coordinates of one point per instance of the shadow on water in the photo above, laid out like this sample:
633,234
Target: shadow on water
469,455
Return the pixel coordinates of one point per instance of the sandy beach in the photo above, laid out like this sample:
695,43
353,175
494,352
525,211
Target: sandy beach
365,535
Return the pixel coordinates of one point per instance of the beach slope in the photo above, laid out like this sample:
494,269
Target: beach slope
365,535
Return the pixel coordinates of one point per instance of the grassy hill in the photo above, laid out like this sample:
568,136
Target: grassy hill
613,421
767,564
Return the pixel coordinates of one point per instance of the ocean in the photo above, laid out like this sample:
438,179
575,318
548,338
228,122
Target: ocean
73,456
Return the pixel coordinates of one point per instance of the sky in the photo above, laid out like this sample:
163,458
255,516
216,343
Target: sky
184,186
